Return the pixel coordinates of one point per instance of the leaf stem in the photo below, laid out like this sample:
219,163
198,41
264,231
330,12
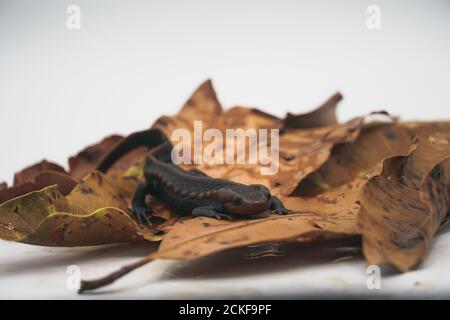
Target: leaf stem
106,280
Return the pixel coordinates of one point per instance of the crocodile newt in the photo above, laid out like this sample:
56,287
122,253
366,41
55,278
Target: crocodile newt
190,192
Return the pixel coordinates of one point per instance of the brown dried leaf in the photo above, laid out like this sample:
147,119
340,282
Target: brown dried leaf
94,192
29,174
38,181
88,159
323,116
348,161
13,192
64,182
403,207
103,226
203,105
193,238
93,213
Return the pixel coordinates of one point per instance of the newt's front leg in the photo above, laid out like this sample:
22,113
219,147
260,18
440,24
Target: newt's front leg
139,207
277,206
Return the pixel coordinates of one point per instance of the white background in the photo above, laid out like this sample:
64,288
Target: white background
132,61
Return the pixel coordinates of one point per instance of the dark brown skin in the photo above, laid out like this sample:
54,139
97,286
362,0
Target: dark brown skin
192,192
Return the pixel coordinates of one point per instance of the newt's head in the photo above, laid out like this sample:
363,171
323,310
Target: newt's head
246,200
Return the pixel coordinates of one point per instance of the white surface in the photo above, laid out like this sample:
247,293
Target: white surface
133,60
29,272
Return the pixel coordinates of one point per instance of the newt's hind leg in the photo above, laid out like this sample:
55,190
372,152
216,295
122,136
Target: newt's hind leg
140,210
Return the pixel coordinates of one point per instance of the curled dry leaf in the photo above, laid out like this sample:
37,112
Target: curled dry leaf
88,159
64,182
403,206
29,174
13,192
348,161
323,116
44,173
94,213
33,180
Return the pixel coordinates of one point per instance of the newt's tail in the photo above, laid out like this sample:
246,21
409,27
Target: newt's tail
148,138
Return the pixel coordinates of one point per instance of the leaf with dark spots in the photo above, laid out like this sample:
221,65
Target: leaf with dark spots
12,226
89,196
194,238
351,160
323,116
35,206
86,216
415,210
92,229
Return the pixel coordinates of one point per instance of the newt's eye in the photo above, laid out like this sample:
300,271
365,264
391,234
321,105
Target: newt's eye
237,200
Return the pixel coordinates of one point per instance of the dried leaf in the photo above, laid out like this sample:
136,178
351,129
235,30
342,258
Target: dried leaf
64,182
13,192
203,105
12,226
38,181
348,161
103,226
94,192
403,207
37,205
88,159
323,116
201,236
194,238
87,216
29,174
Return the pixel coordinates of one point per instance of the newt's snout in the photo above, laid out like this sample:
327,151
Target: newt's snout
253,199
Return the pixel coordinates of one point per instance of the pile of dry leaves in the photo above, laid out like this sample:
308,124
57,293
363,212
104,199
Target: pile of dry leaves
384,180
